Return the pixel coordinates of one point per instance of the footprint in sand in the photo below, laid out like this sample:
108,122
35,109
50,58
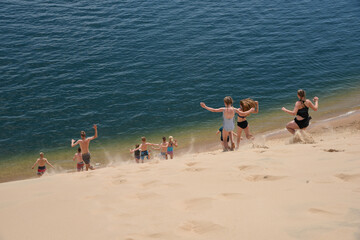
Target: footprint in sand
257,178
151,183
190,164
333,150
348,177
200,227
231,195
194,169
247,167
146,195
198,204
320,211
119,181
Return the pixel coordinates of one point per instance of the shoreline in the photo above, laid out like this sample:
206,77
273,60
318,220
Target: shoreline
291,191
207,146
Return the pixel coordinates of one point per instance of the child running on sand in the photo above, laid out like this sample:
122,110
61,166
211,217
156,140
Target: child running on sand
228,119
41,162
221,136
163,148
242,123
170,147
137,154
143,147
80,163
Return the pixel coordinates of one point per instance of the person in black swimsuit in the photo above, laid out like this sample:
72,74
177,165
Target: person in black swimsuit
301,111
242,123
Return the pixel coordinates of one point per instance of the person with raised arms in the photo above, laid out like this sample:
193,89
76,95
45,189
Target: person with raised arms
228,119
301,112
84,143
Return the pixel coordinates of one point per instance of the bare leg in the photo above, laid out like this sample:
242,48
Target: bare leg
87,167
239,131
231,141
225,136
136,160
247,133
292,126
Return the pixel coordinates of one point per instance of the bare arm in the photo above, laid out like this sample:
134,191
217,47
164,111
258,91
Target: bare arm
211,109
257,107
135,149
73,143
152,144
49,163
217,132
235,134
241,113
316,106
175,143
34,164
96,133
293,112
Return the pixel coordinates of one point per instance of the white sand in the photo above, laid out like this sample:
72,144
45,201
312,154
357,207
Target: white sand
284,191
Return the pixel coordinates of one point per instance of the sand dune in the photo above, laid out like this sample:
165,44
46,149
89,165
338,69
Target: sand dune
279,189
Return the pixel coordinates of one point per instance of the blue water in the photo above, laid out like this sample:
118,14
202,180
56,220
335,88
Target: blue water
136,67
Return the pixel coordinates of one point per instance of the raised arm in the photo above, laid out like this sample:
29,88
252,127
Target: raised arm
257,107
96,133
73,143
135,149
241,113
293,112
34,164
49,163
211,109
175,143
316,106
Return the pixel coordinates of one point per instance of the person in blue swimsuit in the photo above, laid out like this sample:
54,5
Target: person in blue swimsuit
301,112
170,149
228,119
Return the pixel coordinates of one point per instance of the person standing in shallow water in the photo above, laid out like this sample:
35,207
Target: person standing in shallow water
301,112
41,162
84,143
228,119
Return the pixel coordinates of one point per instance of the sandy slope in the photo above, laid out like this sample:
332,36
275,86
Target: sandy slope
274,190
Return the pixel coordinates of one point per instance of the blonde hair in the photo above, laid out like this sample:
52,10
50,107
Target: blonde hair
171,138
228,101
247,103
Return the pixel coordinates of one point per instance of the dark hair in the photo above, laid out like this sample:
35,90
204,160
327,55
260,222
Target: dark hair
137,145
82,133
79,149
143,139
301,94
164,138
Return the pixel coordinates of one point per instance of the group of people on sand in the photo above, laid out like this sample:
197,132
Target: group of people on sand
247,106
82,156
166,149
300,111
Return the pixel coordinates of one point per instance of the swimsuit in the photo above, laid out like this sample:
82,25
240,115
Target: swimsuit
144,153
221,136
86,158
228,124
304,113
170,150
137,154
41,170
243,124
80,166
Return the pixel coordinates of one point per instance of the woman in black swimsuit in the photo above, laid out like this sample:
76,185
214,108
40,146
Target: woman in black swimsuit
301,111
242,123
